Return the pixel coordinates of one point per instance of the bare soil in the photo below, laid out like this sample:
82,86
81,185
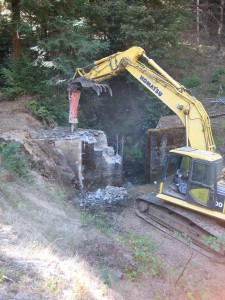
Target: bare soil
49,249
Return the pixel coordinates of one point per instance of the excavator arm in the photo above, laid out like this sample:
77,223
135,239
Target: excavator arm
190,111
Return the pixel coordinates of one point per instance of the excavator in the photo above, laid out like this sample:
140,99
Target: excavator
191,193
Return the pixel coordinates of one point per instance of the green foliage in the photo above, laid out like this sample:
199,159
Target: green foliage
12,89
86,218
215,243
56,40
183,236
14,161
153,26
181,63
52,111
52,285
66,48
105,276
154,109
165,22
57,194
133,153
218,75
144,253
217,83
100,220
105,19
102,223
21,77
5,37
191,82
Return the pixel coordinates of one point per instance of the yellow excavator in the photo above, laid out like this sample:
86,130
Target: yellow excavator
192,175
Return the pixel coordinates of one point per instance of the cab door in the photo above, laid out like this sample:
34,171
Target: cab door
201,189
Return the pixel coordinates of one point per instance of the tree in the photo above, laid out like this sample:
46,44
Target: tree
16,44
55,36
154,25
209,21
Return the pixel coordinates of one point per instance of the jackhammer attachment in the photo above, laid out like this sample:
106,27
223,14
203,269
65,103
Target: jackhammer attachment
79,82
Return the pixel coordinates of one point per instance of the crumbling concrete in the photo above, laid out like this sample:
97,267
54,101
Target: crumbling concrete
82,159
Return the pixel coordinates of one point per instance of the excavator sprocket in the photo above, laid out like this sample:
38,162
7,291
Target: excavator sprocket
187,226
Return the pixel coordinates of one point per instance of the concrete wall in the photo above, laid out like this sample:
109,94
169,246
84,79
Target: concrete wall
81,159
158,144
88,155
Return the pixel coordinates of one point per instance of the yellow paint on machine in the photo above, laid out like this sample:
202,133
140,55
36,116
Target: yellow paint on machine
202,194
185,204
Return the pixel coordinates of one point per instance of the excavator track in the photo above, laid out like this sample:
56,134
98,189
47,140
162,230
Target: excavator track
186,226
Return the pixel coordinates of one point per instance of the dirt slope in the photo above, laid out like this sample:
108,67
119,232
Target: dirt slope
49,249
14,115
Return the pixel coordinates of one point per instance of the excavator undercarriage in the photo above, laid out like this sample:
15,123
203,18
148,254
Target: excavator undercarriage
199,232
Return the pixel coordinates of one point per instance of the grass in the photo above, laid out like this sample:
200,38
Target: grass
14,199
56,193
52,285
43,234
144,254
13,160
105,276
99,220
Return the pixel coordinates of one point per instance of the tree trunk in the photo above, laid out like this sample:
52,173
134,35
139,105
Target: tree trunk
197,21
205,22
220,28
16,44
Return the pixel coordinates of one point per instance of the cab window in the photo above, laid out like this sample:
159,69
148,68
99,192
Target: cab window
202,173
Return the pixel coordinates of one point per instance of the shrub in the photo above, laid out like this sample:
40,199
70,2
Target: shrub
191,82
51,111
21,77
13,160
218,75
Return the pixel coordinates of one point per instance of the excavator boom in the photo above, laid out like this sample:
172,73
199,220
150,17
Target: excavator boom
157,81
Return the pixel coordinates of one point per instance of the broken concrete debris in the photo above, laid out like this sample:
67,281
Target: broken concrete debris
107,197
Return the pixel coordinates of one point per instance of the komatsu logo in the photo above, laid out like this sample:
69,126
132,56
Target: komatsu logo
151,86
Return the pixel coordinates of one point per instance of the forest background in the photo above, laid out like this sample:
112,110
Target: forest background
44,41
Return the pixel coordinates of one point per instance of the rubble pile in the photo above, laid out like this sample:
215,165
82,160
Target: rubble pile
107,197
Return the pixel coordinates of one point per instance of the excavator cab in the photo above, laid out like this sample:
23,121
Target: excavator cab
193,178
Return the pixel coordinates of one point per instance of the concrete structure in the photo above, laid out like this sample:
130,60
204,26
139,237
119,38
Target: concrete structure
169,134
81,159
